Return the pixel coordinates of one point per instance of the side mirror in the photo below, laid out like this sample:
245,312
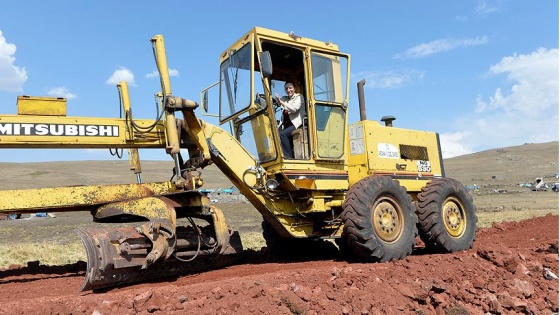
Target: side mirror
266,64
204,96
205,101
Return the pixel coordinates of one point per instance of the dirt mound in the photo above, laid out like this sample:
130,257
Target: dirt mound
512,269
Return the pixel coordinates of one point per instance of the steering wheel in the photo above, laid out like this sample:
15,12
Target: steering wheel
275,103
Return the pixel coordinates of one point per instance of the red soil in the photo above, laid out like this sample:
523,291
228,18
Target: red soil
512,269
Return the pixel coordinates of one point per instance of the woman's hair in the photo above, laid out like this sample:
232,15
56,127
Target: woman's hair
289,83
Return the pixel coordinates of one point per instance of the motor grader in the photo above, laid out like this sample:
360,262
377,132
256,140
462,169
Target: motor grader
369,186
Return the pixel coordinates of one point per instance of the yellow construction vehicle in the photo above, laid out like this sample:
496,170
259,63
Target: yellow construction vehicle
369,186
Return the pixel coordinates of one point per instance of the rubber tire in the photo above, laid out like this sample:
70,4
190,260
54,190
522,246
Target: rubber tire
366,197
444,195
295,249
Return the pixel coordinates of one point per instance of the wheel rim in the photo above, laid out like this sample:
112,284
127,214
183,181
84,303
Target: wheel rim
387,219
454,217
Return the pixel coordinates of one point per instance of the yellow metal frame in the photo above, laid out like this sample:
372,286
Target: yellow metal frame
77,197
323,182
35,105
23,131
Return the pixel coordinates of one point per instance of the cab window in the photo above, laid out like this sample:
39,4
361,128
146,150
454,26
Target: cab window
235,83
329,93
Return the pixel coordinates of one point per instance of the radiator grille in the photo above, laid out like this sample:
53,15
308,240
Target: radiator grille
413,152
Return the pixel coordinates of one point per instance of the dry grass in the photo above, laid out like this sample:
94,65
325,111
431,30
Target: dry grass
57,254
48,253
252,240
486,219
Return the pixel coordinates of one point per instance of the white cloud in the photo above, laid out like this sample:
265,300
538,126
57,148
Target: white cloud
534,86
440,45
389,79
12,77
121,74
485,8
155,74
482,10
61,91
451,144
525,110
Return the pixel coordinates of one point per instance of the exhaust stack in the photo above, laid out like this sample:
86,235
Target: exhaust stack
361,99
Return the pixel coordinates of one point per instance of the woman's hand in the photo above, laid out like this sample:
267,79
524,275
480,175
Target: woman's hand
278,99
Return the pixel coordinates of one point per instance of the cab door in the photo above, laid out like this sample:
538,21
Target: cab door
329,102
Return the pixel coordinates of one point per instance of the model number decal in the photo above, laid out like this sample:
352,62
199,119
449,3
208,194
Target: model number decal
424,166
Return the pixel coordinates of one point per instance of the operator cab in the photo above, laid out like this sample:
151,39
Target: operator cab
257,67
288,66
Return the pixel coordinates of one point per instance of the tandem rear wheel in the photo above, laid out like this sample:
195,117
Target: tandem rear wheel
447,218
379,220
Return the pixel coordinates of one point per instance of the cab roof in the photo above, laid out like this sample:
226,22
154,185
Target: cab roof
286,38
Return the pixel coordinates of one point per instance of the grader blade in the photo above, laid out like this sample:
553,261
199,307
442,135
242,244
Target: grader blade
118,256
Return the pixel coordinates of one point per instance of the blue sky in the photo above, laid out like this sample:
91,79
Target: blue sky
484,74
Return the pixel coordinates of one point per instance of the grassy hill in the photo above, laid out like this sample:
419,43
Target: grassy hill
506,167
55,242
498,172
502,167
493,170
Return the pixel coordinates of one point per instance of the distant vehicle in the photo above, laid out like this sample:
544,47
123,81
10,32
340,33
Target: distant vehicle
14,216
230,190
539,185
555,187
472,187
